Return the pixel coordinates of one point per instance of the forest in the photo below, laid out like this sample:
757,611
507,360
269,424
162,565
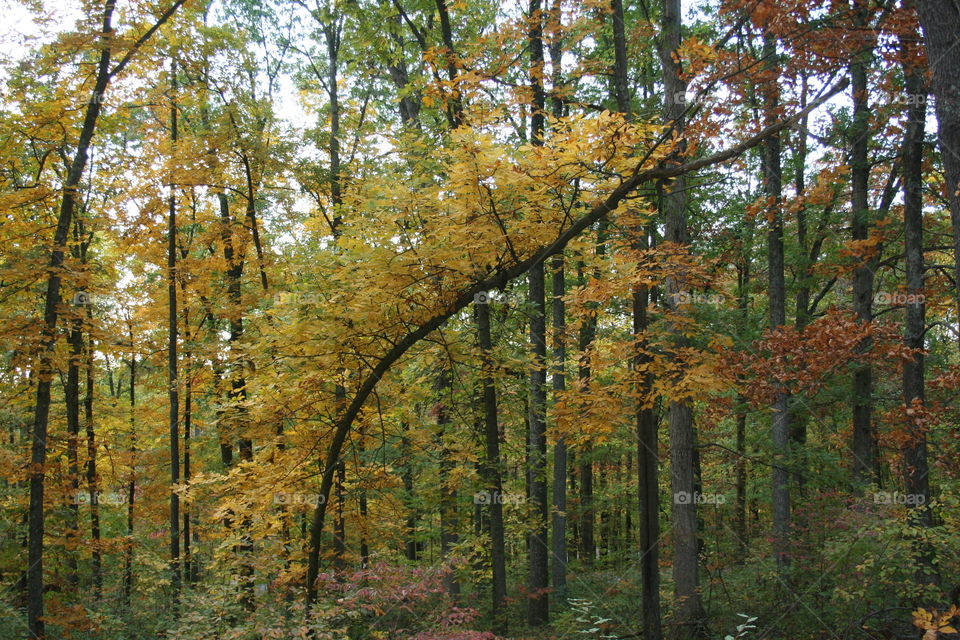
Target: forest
479,319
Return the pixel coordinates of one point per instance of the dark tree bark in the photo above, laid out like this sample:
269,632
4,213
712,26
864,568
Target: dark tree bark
560,449
588,332
940,21
238,383
743,307
776,291
93,482
647,445
862,388
690,615
172,373
915,466
454,104
406,455
128,551
449,520
331,32
72,402
189,563
559,541
43,367
340,523
648,461
538,575
362,500
492,471
798,423
537,581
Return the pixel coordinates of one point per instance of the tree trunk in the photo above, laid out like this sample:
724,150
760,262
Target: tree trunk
743,306
492,470
449,520
798,423
862,389
915,465
72,401
588,332
780,427
93,483
172,381
43,368
362,499
131,481
406,455
690,616
648,460
559,541
340,524
940,21
538,575
189,568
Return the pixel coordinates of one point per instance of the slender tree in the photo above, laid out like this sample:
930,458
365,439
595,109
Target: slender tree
772,173
538,576
862,389
916,467
690,615
492,471
172,364
940,21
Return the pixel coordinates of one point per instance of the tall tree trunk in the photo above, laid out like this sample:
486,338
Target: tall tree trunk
915,465
743,306
406,455
647,445
340,523
798,423
648,461
362,499
588,333
131,480
189,568
72,401
780,427
492,470
940,21
172,381
559,541
237,424
538,575
93,483
449,520
43,367
862,389
690,615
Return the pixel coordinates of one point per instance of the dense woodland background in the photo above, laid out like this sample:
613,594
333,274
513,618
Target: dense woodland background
452,320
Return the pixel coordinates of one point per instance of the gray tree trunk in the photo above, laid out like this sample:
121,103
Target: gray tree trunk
940,21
